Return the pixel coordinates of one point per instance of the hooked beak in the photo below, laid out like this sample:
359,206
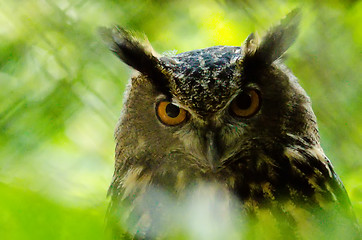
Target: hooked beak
211,151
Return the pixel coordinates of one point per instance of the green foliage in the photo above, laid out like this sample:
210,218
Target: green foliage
27,215
61,94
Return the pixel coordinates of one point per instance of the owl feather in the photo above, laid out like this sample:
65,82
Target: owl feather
235,117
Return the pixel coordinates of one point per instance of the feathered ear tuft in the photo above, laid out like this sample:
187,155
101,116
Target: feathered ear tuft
131,51
275,42
137,55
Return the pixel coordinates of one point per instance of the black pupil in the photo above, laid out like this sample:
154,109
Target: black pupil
243,101
172,110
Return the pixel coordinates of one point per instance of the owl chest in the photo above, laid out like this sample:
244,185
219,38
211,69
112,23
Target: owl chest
273,195
267,185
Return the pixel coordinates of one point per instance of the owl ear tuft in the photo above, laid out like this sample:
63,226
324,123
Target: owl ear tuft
139,56
276,42
131,51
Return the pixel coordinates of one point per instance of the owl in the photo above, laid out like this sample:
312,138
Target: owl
234,116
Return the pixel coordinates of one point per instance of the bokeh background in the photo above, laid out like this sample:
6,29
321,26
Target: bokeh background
61,94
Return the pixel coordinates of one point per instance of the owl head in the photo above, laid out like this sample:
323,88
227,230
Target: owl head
197,114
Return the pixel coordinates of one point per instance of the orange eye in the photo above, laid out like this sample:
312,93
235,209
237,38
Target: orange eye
170,114
246,104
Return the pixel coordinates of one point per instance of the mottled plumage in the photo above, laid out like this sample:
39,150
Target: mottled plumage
270,159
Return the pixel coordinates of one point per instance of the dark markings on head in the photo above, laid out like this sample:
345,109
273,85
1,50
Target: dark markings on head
204,79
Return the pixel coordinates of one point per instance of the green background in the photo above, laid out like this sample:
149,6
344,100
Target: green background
61,95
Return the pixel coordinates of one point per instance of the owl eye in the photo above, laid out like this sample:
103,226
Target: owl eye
170,114
246,104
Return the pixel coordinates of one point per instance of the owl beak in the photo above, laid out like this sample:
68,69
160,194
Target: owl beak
211,150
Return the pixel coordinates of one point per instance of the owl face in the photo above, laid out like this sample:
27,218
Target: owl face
214,110
203,111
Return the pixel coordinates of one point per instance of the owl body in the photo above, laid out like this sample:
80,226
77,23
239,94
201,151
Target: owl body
233,116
